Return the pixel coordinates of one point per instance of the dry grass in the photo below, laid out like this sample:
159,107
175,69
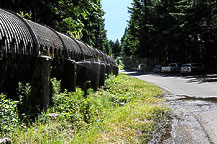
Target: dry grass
127,124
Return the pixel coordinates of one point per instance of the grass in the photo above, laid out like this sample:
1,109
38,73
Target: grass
129,111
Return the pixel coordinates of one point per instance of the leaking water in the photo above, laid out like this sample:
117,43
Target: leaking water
191,119
194,115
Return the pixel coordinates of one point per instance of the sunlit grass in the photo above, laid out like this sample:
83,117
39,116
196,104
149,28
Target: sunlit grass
51,132
128,112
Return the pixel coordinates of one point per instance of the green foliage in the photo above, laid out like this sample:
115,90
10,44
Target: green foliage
120,63
93,111
129,106
82,20
23,91
24,105
74,106
8,115
122,94
94,32
25,15
112,48
182,31
76,35
56,88
128,110
12,112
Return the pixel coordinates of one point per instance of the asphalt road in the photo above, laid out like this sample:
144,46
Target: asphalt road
195,86
193,100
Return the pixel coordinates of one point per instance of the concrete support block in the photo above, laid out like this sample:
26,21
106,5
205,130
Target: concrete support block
83,74
108,69
95,75
41,83
102,74
115,70
88,71
57,69
69,76
12,71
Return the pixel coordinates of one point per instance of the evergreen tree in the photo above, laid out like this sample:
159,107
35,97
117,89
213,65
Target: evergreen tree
94,32
116,47
172,31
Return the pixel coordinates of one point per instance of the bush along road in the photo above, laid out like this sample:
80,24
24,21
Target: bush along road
126,110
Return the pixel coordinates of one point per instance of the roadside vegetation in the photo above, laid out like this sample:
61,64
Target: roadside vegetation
125,110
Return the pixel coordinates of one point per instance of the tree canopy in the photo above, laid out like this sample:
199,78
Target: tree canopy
172,31
179,31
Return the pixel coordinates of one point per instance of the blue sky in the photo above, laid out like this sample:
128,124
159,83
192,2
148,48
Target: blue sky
116,17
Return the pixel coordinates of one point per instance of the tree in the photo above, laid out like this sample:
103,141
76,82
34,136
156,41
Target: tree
172,31
41,11
94,32
116,48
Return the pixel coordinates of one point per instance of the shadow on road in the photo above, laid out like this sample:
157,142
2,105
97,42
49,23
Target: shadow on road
134,72
208,78
197,78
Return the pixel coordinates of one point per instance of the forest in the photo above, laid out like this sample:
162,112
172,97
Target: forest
181,31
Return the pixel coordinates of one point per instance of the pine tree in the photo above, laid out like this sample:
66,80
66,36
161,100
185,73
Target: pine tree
179,30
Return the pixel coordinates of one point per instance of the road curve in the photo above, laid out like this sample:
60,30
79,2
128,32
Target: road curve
193,100
194,86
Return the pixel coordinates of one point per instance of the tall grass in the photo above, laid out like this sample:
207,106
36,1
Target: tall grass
128,110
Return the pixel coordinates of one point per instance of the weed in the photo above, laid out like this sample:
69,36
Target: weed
24,103
128,111
8,115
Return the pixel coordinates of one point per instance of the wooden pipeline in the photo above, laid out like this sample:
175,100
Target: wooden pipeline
34,53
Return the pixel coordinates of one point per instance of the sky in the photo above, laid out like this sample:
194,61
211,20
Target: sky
116,17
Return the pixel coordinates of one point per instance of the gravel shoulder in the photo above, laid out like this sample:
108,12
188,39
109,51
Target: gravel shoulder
193,100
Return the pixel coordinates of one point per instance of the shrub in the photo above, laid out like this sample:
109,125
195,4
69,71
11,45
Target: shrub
12,112
127,111
73,106
24,104
8,115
